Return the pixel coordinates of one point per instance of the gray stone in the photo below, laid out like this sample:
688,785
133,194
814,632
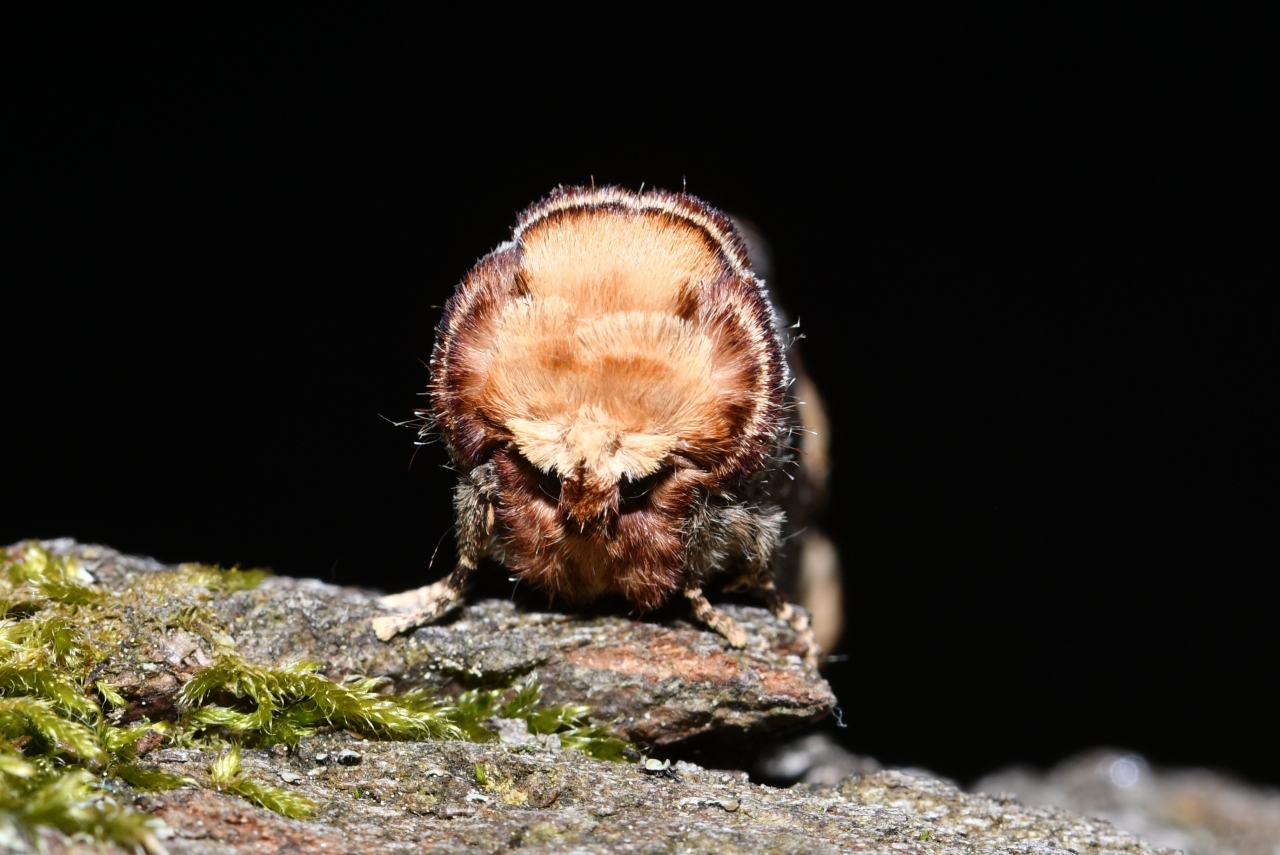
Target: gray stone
656,683
551,802
1195,810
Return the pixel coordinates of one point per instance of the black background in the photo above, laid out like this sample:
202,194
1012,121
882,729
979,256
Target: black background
1021,244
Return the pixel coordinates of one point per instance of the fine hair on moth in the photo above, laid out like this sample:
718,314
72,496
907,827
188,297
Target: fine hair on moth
612,387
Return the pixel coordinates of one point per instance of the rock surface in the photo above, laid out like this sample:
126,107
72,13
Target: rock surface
428,797
1195,810
655,682
815,759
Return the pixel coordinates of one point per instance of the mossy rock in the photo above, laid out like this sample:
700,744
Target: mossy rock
193,710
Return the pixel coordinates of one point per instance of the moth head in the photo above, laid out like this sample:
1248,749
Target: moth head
591,459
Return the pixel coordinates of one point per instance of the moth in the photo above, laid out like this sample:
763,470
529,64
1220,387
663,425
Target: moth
612,387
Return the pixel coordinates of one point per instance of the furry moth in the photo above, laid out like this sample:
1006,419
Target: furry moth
611,385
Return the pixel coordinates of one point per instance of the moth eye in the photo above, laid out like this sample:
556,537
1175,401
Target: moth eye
549,484
633,493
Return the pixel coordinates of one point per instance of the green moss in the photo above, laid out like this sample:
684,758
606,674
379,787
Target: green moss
151,779
225,581
225,775
568,722
38,723
60,739
288,702
58,748
72,801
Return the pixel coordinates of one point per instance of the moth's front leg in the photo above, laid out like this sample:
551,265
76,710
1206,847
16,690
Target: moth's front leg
473,503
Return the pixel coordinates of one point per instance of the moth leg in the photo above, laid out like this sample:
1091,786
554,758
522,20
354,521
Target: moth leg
473,502
796,617
759,544
425,604
716,619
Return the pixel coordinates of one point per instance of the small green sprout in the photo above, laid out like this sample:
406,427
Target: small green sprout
109,693
226,776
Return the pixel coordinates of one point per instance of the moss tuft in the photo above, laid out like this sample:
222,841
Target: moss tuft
51,734
151,779
73,802
225,775
569,723
225,581
43,730
288,702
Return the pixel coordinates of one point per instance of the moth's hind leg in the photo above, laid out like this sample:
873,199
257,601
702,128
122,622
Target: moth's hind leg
759,544
714,618
473,502
796,617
